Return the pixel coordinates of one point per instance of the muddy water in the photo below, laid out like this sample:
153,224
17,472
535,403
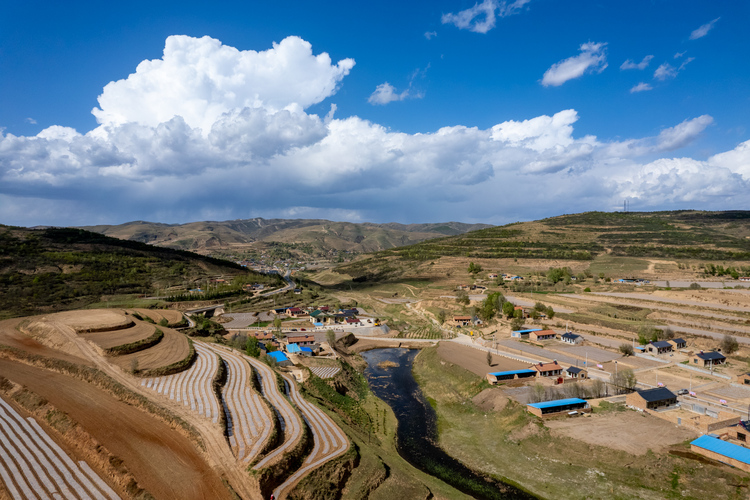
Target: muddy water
416,437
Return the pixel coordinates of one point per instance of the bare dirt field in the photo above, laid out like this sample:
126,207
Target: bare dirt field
113,338
164,461
172,348
475,360
93,319
628,431
157,315
12,337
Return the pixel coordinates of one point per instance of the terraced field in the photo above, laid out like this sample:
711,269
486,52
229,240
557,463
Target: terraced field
325,371
248,420
172,317
172,348
329,440
192,387
113,338
33,466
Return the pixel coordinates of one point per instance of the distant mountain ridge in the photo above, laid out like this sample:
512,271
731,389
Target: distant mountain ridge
319,236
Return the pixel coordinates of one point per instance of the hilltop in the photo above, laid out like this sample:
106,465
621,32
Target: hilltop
54,269
298,237
582,238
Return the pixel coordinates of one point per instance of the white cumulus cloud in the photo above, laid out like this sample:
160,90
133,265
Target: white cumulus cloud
703,30
273,158
385,93
628,64
481,17
592,59
199,79
640,87
665,71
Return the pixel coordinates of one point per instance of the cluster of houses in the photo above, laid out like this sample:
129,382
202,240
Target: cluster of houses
322,316
703,359
551,370
632,281
538,334
301,345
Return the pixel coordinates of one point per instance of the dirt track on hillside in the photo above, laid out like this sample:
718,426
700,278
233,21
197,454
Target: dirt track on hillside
164,461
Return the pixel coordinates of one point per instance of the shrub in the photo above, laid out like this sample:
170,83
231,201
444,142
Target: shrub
587,289
626,349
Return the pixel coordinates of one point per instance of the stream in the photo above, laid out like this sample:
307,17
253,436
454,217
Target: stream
389,375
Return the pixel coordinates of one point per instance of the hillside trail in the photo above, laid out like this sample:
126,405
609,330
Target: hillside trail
218,453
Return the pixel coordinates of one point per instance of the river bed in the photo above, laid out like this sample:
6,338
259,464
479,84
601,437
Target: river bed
389,375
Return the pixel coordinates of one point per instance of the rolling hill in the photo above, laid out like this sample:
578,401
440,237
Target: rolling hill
313,237
688,234
53,269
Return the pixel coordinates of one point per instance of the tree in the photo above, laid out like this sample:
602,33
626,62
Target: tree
550,312
516,324
277,324
462,298
729,344
489,358
251,347
474,268
666,334
626,349
509,309
491,305
441,316
331,338
624,380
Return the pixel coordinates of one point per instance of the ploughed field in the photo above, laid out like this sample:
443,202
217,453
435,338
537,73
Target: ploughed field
33,466
239,409
192,387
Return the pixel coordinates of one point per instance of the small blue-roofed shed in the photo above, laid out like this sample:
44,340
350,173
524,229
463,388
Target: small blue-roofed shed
280,358
495,377
293,349
524,334
306,351
728,453
548,408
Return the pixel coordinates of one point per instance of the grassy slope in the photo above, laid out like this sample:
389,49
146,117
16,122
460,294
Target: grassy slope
709,236
380,472
555,467
61,269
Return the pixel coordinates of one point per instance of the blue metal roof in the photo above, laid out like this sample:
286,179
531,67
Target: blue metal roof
512,372
305,349
730,450
293,348
528,331
278,356
559,402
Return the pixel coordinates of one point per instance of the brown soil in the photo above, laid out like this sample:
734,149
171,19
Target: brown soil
11,336
172,348
491,400
628,431
164,462
158,314
475,360
93,319
113,338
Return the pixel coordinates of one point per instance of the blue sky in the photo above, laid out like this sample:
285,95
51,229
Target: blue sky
449,110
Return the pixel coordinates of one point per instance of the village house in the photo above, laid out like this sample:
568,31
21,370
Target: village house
261,335
576,373
659,347
547,369
492,276
722,451
523,334
461,320
542,335
524,313
745,278
558,407
744,379
651,399
571,338
678,343
709,359
301,340
495,377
